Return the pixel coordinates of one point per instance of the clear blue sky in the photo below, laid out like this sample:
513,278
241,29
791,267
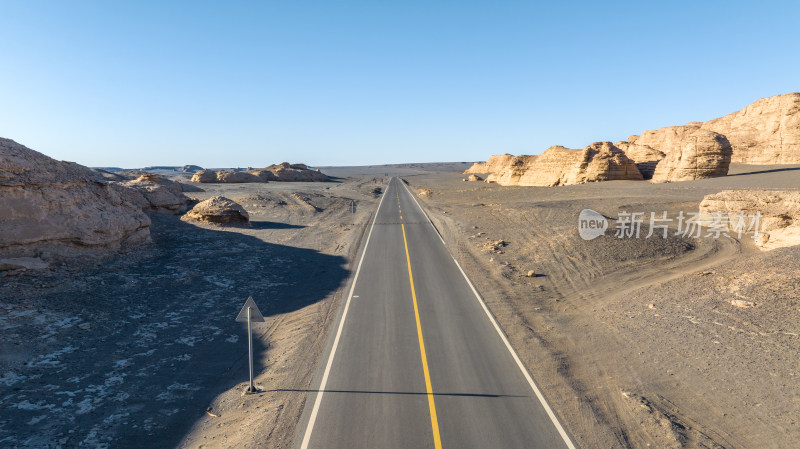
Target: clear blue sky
364,82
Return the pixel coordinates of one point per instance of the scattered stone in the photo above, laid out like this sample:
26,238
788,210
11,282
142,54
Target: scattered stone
425,192
742,303
474,178
495,246
530,274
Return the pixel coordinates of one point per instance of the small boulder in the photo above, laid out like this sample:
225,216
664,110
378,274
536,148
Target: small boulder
218,209
474,178
742,303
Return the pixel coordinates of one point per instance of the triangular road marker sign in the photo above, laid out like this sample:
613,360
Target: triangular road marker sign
255,314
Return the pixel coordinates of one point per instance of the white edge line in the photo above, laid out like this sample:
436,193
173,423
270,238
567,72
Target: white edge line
522,368
318,400
503,337
423,213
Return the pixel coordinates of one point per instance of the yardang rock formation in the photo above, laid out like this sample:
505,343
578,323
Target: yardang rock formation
600,161
765,132
53,209
284,172
701,154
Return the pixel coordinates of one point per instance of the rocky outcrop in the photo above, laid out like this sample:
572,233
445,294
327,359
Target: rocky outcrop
219,210
600,161
284,172
204,176
646,158
51,209
190,168
779,222
236,177
700,154
512,172
495,163
765,132
154,193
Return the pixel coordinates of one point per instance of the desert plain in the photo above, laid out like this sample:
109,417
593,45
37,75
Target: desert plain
119,288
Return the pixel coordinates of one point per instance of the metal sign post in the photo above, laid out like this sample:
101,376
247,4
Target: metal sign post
250,313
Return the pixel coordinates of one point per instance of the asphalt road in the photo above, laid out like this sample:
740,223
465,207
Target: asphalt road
416,360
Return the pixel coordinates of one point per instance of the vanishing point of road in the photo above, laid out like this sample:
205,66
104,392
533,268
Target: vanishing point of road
416,359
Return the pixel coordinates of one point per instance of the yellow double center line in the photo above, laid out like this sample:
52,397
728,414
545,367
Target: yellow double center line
437,441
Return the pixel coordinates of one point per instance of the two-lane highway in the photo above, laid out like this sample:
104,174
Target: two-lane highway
417,360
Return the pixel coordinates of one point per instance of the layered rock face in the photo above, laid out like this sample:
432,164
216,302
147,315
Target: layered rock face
53,209
653,146
510,173
779,223
495,163
700,154
284,172
600,161
765,132
646,158
219,210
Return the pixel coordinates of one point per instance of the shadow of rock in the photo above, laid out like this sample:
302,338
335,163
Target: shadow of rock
136,349
774,170
273,225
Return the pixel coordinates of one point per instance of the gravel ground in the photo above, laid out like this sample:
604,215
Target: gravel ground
636,342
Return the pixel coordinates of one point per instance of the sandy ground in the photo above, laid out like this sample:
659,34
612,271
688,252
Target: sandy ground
141,349
635,341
